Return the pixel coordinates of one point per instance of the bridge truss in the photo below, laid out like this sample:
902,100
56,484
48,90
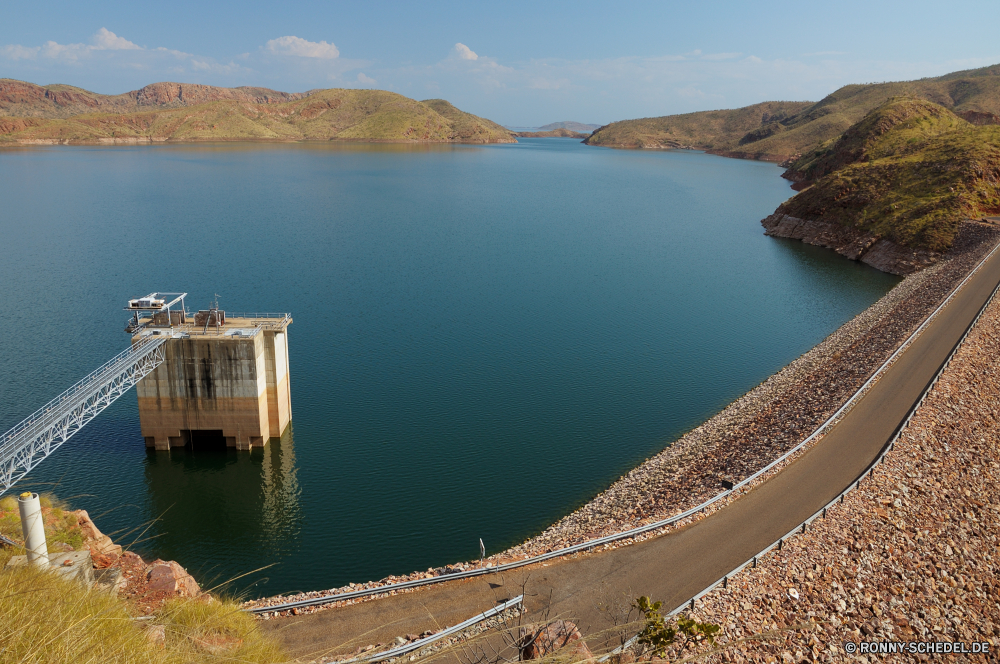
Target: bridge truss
41,434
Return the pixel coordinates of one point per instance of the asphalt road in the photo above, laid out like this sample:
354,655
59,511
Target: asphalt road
678,565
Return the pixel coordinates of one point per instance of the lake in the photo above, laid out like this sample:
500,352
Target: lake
484,337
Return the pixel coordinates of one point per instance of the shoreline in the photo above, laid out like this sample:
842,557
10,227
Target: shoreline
746,435
910,553
125,141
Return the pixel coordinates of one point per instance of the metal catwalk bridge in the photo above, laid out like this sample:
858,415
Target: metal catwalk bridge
24,446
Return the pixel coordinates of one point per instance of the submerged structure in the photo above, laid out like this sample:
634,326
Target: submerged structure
223,378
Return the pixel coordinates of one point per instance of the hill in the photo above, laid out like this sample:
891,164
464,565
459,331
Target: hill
176,112
552,133
571,126
896,183
21,99
776,131
705,130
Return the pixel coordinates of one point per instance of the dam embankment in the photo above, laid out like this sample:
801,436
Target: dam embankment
910,555
755,429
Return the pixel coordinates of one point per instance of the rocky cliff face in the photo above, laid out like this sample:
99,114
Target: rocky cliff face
21,99
855,244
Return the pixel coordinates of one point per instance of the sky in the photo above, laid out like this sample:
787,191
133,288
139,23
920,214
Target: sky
518,63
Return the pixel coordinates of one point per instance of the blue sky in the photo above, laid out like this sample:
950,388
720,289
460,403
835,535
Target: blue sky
519,63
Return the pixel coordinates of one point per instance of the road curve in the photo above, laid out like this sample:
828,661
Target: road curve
679,564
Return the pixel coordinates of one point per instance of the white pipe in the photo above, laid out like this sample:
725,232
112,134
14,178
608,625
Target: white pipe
33,528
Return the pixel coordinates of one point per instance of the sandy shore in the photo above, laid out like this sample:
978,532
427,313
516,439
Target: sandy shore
752,431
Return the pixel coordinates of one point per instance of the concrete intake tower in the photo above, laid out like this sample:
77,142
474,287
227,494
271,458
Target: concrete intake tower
222,377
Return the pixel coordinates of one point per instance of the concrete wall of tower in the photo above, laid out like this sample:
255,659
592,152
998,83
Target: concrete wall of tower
235,384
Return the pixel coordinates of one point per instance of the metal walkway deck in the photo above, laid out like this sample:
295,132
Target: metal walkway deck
41,434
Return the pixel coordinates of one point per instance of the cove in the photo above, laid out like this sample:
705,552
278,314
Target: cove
484,337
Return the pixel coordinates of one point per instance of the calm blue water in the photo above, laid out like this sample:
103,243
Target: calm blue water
484,337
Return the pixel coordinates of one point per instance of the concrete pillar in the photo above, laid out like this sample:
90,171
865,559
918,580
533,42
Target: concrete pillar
33,528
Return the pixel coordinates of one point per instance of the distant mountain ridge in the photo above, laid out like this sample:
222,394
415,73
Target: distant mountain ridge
570,125
22,99
184,112
777,131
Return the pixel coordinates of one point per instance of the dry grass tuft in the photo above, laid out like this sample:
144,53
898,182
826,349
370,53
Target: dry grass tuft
48,620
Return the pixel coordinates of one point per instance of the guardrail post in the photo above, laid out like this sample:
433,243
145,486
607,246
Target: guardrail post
803,527
692,604
725,582
755,561
781,543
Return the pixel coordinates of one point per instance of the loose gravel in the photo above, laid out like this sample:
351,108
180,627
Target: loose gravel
911,555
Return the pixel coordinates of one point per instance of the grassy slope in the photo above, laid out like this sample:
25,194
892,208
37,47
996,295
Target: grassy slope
910,171
466,124
805,125
324,115
47,620
703,130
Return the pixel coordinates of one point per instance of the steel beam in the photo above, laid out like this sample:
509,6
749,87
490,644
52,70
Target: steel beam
24,446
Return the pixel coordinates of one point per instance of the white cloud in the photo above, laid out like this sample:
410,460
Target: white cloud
105,40
464,52
107,52
366,80
18,52
302,48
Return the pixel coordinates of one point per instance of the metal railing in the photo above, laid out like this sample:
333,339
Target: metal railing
590,544
822,512
40,434
420,643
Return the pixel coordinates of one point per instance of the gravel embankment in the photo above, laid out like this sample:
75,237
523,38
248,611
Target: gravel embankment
752,431
911,555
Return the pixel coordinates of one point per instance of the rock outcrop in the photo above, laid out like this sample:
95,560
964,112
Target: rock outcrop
855,244
166,576
560,636
103,551
23,99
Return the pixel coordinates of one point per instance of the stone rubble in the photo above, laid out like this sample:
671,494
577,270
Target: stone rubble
911,555
745,437
148,585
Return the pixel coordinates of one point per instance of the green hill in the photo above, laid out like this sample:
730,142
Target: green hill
247,114
705,130
910,172
776,131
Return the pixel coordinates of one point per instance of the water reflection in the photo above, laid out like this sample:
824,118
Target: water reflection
223,506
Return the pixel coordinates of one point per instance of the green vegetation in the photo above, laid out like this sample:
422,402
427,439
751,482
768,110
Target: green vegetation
656,635
365,115
706,130
479,130
910,171
60,525
777,131
46,619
